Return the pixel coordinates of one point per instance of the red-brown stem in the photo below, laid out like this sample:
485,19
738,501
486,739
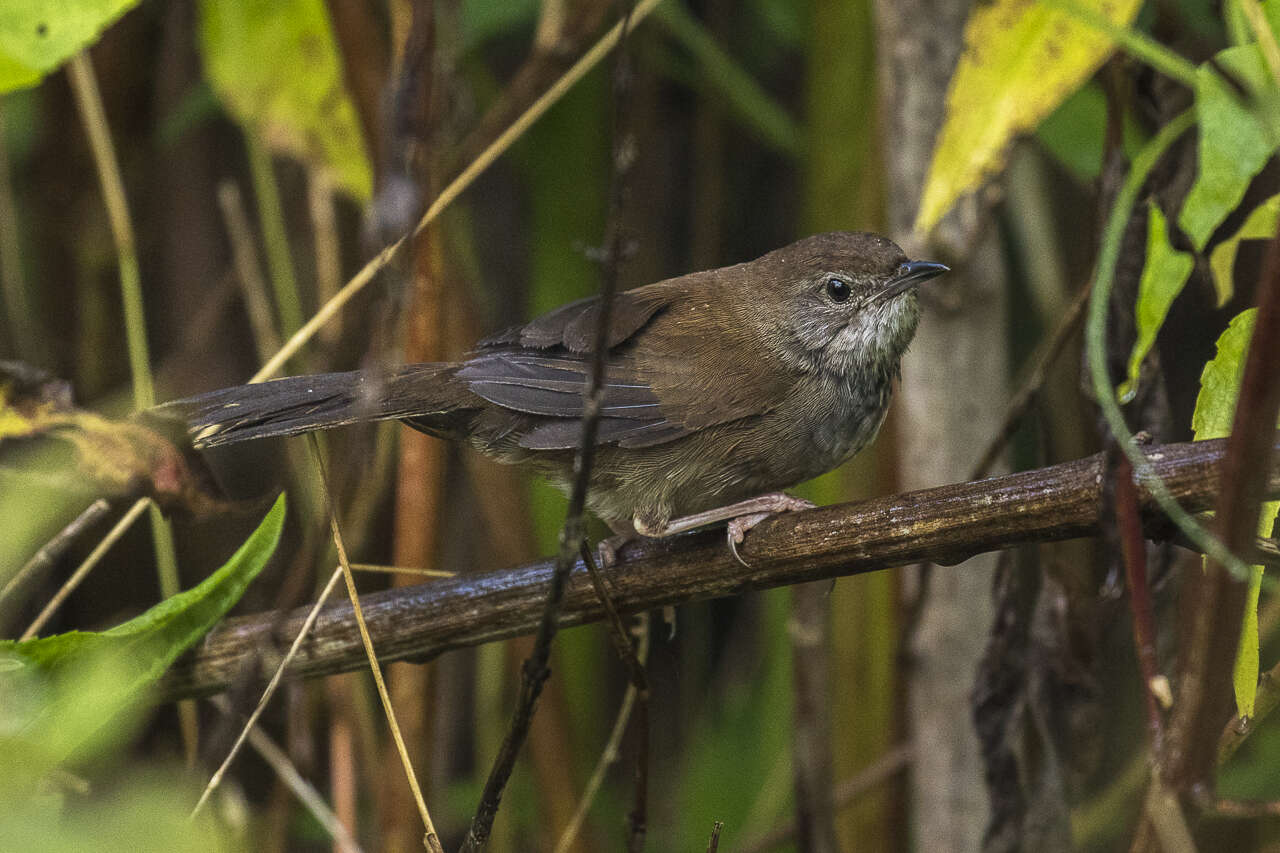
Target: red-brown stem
1133,548
1216,597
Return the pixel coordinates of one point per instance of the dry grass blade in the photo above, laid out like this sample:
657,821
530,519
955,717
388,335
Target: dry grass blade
455,188
432,840
54,548
82,571
306,793
401,570
270,690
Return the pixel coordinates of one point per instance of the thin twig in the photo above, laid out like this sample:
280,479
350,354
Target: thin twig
324,229
1247,809
82,571
877,773
84,86
275,237
638,817
1164,813
267,693
610,753
1044,357
535,671
431,840
713,843
1264,552
617,630
53,549
306,793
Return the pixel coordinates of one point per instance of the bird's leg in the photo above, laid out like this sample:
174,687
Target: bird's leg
742,516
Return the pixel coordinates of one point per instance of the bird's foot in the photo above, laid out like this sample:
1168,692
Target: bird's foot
739,525
608,549
742,516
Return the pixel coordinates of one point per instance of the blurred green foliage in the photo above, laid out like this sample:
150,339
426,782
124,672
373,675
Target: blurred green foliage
306,115
36,36
74,700
785,97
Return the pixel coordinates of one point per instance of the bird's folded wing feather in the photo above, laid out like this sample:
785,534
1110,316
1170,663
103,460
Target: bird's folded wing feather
657,386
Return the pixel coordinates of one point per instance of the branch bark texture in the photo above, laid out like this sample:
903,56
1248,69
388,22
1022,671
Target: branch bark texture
942,525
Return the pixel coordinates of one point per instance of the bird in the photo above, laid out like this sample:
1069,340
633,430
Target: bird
722,387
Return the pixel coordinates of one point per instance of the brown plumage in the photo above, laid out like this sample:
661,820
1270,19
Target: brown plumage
721,385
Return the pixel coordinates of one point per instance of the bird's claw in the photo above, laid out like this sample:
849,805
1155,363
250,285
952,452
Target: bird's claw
608,549
737,530
738,527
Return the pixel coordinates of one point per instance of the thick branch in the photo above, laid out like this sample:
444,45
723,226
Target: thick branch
940,525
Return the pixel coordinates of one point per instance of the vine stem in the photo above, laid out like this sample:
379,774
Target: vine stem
1095,346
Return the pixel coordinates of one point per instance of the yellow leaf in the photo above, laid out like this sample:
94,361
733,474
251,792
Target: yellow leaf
1021,60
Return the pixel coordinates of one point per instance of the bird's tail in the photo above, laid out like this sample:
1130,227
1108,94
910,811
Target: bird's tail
301,404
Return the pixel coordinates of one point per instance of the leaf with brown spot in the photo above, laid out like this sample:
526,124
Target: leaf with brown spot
42,434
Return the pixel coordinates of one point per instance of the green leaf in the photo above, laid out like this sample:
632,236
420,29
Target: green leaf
1220,380
87,679
1235,140
36,36
1260,225
1214,413
1163,277
1020,61
296,102
1074,132
1244,672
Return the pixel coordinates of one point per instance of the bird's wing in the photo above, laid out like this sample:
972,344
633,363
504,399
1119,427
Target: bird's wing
572,327
663,377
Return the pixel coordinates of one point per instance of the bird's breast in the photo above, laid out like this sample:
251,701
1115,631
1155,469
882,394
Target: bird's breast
842,417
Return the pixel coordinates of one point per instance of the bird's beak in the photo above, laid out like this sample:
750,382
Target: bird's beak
909,275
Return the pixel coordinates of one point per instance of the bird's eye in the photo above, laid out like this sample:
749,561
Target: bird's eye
838,289
904,269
